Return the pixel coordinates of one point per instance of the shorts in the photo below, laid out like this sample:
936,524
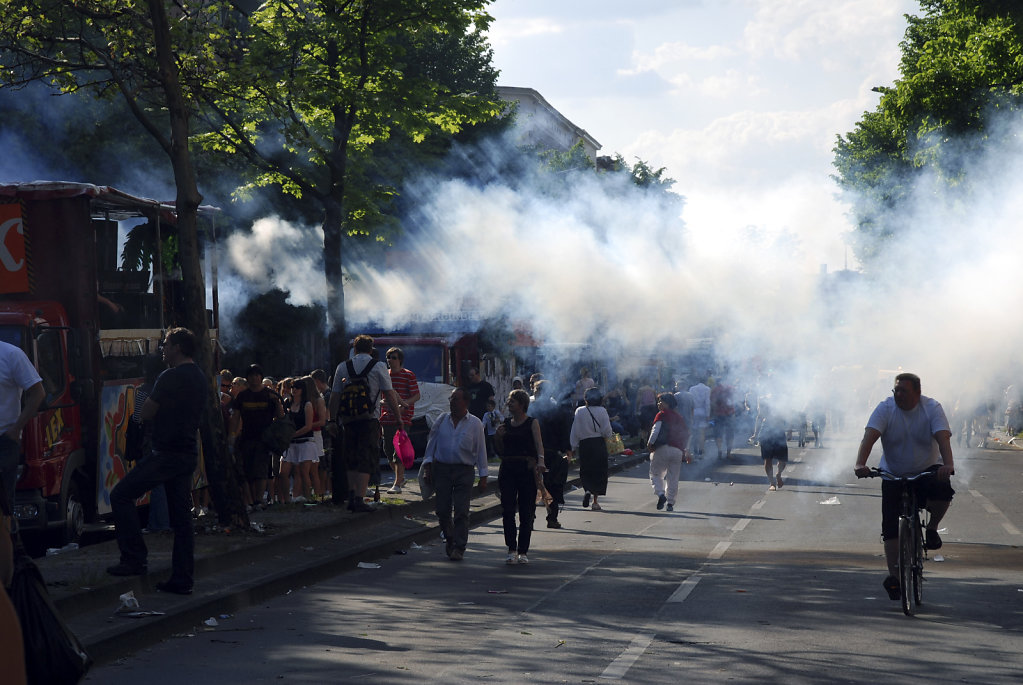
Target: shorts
361,446
255,458
298,452
927,488
723,426
774,449
389,431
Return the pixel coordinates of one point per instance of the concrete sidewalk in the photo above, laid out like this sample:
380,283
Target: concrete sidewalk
298,545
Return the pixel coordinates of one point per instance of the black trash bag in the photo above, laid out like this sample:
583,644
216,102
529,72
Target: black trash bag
53,655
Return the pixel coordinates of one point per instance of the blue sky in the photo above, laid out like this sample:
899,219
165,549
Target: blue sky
741,100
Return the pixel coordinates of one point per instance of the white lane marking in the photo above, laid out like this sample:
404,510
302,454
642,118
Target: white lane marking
687,586
758,505
989,507
719,550
740,525
620,666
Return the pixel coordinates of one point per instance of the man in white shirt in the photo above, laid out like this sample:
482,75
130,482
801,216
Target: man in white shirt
701,413
915,435
362,433
17,375
457,446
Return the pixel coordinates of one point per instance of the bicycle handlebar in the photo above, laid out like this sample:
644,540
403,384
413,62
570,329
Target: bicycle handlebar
888,475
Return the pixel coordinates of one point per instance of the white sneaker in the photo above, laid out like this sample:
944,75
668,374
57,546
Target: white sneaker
510,559
395,490
299,500
523,559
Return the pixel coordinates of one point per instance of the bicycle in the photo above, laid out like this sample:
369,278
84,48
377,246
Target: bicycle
912,551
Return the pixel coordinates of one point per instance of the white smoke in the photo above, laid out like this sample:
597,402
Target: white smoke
279,254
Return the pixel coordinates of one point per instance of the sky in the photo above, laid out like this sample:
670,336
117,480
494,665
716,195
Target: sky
740,100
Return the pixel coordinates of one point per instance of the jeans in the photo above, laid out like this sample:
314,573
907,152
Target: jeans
9,454
517,481
174,470
453,483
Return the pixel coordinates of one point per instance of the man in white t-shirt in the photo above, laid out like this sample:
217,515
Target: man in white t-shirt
361,442
17,375
915,435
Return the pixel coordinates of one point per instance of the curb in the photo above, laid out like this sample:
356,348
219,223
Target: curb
108,637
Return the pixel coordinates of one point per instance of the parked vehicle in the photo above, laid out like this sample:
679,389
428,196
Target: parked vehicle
87,322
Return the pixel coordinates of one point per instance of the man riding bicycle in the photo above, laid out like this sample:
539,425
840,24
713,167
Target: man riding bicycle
915,437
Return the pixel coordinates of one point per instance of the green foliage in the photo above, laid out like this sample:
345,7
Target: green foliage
961,69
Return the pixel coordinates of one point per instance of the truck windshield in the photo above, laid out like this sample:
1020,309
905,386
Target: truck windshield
17,336
426,361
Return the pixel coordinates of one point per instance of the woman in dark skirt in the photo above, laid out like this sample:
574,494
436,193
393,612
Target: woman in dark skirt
589,429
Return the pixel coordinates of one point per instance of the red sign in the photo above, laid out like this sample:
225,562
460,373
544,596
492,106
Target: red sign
13,262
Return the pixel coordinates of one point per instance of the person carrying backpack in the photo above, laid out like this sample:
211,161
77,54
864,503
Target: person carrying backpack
355,403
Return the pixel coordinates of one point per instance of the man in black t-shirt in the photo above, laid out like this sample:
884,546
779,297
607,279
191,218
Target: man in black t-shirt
479,393
252,412
175,408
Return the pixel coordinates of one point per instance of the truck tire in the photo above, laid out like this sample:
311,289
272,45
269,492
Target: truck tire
74,515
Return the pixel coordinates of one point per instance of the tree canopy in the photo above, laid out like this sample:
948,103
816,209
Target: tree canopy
961,71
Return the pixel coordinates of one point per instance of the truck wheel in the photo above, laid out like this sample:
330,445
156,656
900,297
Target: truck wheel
74,515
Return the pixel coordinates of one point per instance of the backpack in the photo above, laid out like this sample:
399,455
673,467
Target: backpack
355,401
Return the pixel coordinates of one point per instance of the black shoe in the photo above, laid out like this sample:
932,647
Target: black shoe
892,587
661,499
175,588
671,507
123,569
553,524
586,500
932,540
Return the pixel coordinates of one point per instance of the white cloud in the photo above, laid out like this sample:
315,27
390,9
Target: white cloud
823,31
504,32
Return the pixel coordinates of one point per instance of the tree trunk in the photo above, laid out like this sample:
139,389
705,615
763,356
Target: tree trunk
224,487
333,223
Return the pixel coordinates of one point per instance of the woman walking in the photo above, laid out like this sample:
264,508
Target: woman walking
590,427
521,450
668,439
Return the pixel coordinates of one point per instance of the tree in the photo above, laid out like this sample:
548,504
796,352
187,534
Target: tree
155,60
961,68
326,81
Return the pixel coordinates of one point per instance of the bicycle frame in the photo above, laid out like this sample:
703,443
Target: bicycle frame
912,551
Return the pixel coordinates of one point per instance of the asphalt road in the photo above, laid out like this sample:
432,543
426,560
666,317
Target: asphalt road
737,585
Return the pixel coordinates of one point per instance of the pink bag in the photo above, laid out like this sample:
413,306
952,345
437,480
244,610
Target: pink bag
403,448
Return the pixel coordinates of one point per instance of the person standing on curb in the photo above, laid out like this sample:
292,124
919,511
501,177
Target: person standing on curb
455,447
354,398
407,388
175,407
17,375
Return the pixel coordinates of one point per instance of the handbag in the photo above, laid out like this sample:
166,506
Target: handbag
404,449
615,444
53,654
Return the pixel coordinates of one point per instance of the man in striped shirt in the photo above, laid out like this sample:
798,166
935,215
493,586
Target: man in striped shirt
404,383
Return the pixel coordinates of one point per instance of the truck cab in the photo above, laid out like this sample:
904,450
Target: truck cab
87,320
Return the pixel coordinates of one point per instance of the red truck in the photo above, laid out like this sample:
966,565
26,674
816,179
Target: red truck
87,320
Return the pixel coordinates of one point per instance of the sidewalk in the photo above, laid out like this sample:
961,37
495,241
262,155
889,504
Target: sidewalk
298,545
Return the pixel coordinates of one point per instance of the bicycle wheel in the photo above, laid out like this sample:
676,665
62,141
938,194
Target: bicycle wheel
918,562
906,550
